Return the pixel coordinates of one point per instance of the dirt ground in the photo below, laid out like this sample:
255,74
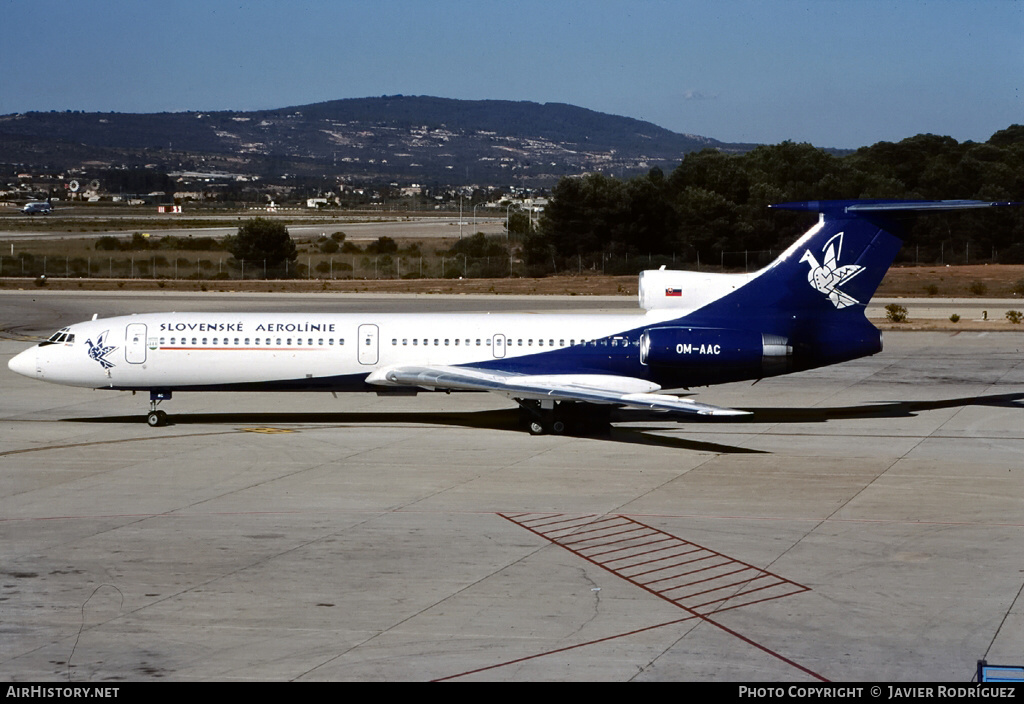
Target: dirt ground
975,281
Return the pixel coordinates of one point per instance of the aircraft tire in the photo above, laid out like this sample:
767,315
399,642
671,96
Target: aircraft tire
156,419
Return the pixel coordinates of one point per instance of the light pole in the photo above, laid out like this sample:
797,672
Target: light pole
507,232
474,217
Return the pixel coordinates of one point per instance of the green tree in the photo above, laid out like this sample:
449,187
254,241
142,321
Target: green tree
260,239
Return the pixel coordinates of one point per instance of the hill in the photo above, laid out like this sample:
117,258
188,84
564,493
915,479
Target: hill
406,138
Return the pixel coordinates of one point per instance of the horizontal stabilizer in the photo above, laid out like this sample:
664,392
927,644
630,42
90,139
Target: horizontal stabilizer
887,206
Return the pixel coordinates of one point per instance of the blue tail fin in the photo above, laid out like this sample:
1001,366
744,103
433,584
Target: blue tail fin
838,264
814,295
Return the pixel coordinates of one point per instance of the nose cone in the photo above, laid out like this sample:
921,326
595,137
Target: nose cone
24,363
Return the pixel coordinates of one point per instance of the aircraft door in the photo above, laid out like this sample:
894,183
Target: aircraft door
498,346
367,341
135,343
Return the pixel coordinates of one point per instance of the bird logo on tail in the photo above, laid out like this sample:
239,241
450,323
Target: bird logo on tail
827,277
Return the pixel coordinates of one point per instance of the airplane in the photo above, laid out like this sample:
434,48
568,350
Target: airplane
37,207
566,371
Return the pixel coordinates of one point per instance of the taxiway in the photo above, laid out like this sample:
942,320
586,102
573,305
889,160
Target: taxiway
866,523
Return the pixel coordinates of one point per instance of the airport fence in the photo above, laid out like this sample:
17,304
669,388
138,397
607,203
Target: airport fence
218,265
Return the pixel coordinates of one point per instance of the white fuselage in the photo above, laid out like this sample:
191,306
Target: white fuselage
228,350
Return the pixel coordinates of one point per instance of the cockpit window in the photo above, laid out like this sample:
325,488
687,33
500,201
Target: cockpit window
60,336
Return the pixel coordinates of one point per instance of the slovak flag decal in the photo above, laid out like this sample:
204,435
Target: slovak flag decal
673,292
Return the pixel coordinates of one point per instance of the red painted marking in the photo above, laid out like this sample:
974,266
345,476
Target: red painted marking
562,650
568,537
634,536
631,557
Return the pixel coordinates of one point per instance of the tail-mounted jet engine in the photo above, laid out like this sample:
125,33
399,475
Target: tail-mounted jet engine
674,346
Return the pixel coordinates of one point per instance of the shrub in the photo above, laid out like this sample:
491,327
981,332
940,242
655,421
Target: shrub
1014,316
383,245
978,288
954,318
931,289
108,243
263,240
896,313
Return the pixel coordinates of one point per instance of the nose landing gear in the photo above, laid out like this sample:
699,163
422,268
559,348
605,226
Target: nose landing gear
155,418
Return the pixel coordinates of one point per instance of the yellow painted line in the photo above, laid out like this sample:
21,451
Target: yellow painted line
267,431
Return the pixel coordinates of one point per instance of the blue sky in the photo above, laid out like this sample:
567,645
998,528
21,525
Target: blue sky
833,73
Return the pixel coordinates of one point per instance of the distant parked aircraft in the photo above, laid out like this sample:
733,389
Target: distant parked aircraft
33,208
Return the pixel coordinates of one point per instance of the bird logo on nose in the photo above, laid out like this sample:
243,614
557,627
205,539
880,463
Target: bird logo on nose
100,350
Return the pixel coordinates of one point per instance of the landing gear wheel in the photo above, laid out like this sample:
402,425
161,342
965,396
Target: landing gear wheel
537,428
156,419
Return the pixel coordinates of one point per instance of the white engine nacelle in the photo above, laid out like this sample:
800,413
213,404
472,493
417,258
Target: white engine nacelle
664,288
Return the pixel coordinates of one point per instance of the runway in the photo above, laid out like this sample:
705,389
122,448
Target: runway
356,231
865,523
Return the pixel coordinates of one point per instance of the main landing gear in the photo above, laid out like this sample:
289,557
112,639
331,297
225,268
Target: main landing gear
155,418
560,417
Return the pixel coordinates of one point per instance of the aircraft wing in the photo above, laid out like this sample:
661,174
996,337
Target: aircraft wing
589,388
